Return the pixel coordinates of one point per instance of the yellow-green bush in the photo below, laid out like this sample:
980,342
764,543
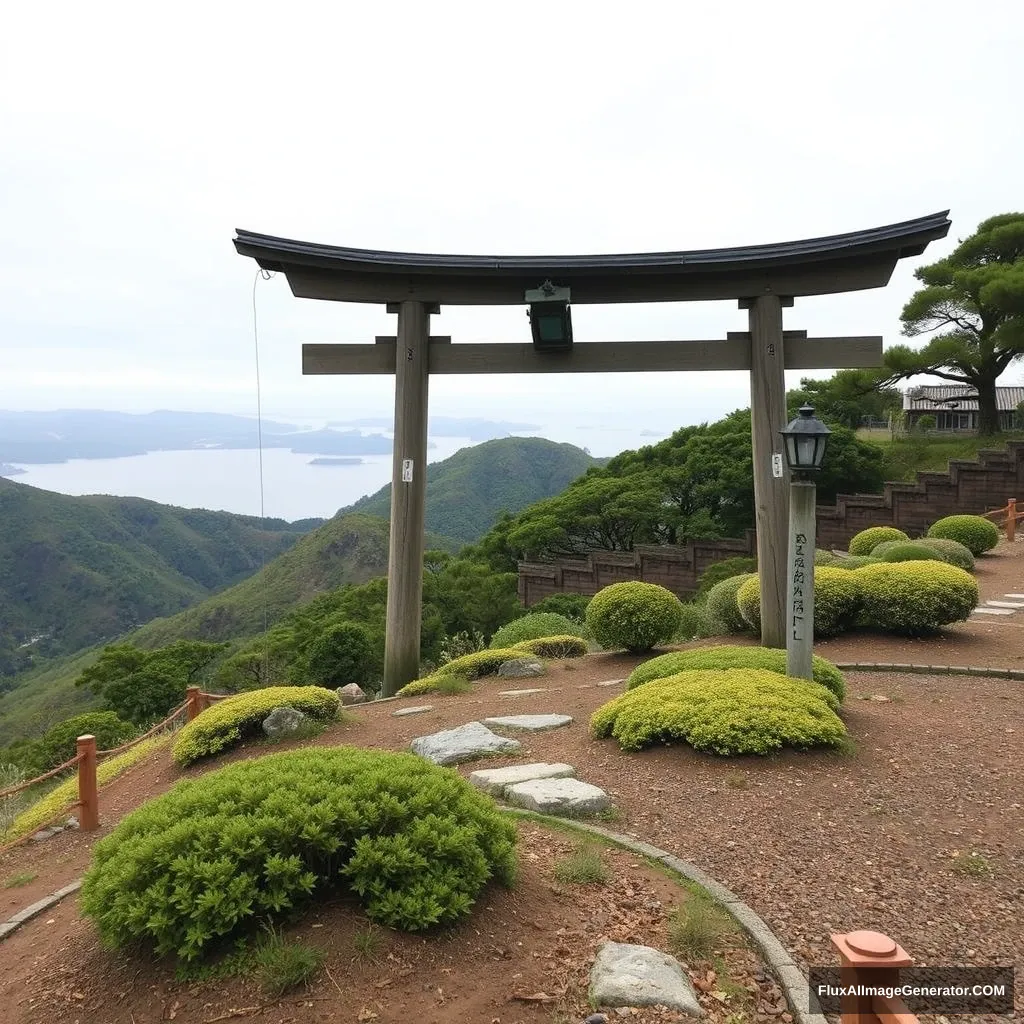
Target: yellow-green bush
915,598
953,551
853,562
479,663
728,656
733,711
555,647
66,793
908,551
634,615
225,723
534,626
865,542
251,843
837,601
976,533
723,613
439,682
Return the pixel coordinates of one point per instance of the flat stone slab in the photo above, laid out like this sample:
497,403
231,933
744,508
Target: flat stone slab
558,796
452,746
403,712
529,723
992,611
520,693
628,975
611,682
1020,596
1005,604
496,780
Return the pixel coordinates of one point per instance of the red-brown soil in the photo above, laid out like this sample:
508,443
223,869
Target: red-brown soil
816,843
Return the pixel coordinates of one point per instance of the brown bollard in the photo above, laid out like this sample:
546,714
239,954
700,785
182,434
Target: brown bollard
1011,519
871,958
88,791
194,697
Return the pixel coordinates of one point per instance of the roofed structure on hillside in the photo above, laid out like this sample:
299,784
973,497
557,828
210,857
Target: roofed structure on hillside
955,406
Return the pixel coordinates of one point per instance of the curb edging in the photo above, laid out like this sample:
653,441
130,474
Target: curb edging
791,978
940,670
15,921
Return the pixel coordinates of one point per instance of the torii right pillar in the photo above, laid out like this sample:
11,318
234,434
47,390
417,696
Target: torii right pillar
771,484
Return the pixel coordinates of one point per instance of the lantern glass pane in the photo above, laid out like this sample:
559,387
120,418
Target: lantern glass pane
790,451
549,327
805,447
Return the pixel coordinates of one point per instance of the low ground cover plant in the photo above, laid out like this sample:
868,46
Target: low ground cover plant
837,601
952,551
732,711
438,682
976,533
723,613
908,551
635,616
468,667
534,626
729,656
866,541
226,722
251,843
915,598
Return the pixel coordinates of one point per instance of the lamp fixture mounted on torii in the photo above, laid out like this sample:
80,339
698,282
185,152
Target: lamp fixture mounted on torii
763,278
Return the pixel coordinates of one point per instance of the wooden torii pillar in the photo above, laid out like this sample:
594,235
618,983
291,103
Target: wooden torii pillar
764,279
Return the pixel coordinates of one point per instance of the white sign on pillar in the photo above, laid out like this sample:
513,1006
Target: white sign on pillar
406,471
777,469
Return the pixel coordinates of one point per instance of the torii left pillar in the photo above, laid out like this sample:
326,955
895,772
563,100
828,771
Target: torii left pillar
408,495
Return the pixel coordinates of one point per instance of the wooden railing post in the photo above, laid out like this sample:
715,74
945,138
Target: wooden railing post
194,697
871,959
1011,519
88,791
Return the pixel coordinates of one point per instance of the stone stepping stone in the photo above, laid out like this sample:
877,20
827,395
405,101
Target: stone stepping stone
1015,596
467,742
520,693
529,723
611,682
558,796
992,611
496,780
403,712
627,975
1005,604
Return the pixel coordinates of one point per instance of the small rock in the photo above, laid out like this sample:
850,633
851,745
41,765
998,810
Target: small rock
283,721
529,723
597,1018
629,975
558,796
465,743
404,712
496,780
520,693
520,668
351,694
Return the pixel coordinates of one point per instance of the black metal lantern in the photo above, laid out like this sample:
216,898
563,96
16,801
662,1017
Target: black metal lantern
550,317
806,439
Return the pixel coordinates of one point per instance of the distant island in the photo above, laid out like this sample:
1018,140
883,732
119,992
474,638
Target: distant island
473,427
6,470
336,460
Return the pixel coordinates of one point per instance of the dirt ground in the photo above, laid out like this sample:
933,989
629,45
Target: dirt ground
919,833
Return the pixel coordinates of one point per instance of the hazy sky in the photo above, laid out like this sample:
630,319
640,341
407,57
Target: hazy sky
137,137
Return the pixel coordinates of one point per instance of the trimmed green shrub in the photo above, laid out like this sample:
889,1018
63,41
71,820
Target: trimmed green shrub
534,626
480,663
733,711
60,743
837,601
439,682
252,842
555,647
976,533
953,551
723,570
865,542
915,598
572,606
854,561
723,614
341,655
823,557
911,551
227,721
692,623
728,656
634,615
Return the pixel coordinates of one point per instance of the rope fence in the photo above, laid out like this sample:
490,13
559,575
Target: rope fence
1009,510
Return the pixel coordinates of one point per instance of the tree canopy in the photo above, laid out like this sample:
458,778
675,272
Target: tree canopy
972,303
848,398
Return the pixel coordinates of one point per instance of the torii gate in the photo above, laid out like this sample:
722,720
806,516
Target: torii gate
763,278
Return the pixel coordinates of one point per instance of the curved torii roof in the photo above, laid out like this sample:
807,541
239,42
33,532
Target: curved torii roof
813,266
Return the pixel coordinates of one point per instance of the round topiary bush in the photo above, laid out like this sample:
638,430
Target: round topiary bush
952,551
634,615
723,570
823,557
733,711
572,606
692,623
555,646
252,843
342,654
854,561
865,542
728,656
721,608
837,601
915,598
910,551
533,627
976,533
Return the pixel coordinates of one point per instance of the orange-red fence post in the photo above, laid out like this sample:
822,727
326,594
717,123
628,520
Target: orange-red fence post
195,702
1011,519
871,959
88,791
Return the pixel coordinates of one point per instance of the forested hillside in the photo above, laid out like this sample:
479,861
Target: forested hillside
77,570
467,492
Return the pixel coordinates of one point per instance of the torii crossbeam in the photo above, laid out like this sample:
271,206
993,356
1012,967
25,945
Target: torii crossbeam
763,279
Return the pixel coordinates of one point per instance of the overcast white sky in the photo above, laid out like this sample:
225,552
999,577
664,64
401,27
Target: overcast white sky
137,137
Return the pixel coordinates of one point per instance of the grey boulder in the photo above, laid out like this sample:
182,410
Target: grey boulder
283,721
351,694
628,975
465,743
520,668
